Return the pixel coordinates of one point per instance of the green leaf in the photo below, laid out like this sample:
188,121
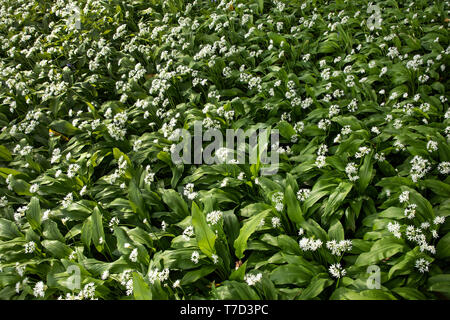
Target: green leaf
5,154
405,264
336,199
438,187
424,208
249,227
86,232
8,229
136,200
141,290
192,276
57,248
365,173
291,274
174,201
318,284
64,127
382,249
293,207
233,290
204,235
98,234
409,293
336,231
439,283
51,231
239,274
34,214
443,247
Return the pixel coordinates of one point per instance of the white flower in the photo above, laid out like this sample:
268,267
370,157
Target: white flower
39,290
73,169
444,167
404,197
379,157
195,257
395,229
252,279
337,271
352,171
30,247
34,188
419,168
163,275
303,194
276,222
188,233
189,191
320,161
410,211
214,216
67,201
362,152
134,255
105,275
337,248
432,146
176,284
307,244
422,265
215,258
439,220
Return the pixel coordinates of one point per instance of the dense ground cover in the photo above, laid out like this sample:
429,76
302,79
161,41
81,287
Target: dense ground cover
93,92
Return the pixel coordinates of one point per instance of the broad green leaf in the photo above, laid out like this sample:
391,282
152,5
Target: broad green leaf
317,285
141,290
136,200
239,274
5,154
233,290
98,234
203,233
336,198
336,231
8,229
409,293
291,274
249,227
86,232
382,249
57,248
443,247
293,207
64,127
192,276
175,202
51,231
34,214
439,283
365,173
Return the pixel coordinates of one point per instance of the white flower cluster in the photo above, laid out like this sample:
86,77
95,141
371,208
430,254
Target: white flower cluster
337,248
189,191
155,274
337,271
252,279
352,171
303,194
422,265
419,168
214,217
126,280
309,244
